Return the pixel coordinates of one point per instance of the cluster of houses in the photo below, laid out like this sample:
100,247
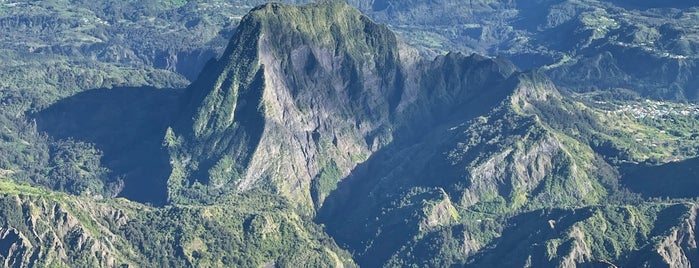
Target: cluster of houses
658,109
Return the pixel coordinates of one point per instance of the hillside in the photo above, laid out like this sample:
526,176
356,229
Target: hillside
45,228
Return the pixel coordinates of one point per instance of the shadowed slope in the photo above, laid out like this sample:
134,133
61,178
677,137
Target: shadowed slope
127,124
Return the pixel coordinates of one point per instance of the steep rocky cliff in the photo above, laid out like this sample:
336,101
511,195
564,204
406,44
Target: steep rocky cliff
41,228
319,87
313,86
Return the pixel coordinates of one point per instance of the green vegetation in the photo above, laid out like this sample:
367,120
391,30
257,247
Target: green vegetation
319,139
644,130
254,230
325,182
9,187
617,234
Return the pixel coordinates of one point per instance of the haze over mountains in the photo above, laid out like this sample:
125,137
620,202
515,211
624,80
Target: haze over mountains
321,138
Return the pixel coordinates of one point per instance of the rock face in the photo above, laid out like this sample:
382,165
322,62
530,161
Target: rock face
41,232
50,229
303,94
679,247
598,236
300,92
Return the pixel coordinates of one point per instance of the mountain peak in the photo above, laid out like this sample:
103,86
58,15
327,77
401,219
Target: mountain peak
300,82
304,94
330,25
322,22
330,7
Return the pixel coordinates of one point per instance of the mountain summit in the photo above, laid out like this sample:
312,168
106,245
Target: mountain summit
300,90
